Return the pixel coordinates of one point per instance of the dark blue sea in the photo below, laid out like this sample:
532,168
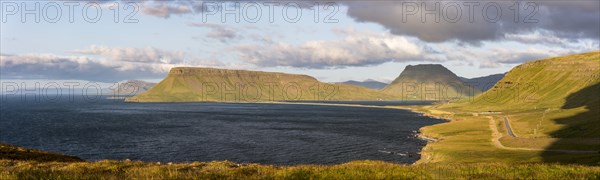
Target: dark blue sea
282,134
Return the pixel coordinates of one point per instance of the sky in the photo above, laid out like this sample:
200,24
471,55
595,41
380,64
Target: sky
112,41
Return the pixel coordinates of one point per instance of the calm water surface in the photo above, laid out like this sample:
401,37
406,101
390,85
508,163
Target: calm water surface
178,132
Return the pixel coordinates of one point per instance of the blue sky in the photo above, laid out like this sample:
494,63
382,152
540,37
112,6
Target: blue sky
368,41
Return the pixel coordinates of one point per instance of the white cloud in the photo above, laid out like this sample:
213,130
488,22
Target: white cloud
49,66
165,9
497,57
355,49
145,55
537,37
115,65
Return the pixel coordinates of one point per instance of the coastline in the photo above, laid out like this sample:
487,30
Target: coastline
425,156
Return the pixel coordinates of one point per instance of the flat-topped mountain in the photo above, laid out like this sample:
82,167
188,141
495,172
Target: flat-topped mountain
187,84
369,83
429,82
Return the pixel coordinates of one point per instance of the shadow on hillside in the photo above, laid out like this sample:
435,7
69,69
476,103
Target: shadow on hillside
582,126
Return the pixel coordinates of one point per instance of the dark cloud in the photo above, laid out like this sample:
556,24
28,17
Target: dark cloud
572,19
564,19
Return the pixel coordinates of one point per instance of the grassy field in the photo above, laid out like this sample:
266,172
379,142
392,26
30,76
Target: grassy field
469,139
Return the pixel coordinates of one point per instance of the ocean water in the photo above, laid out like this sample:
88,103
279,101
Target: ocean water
282,134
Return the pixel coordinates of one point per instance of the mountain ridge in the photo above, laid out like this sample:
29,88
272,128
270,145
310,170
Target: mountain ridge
195,84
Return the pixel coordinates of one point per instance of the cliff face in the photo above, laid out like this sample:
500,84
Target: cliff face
429,82
186,84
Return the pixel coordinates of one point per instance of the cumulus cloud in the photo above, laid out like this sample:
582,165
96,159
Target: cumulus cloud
572,20
115,64
165,9
49,66
355,49
146,55
465,21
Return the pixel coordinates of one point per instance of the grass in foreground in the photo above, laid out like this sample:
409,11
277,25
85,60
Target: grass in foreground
10,169
56,166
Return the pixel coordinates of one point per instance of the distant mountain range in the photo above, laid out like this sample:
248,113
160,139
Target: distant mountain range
369,83
184,84
132,87
483,83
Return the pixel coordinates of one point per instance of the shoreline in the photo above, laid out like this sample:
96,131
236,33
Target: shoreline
424,156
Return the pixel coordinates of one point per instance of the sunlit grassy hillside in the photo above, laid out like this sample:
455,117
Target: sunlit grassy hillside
541,92
552,106
544,83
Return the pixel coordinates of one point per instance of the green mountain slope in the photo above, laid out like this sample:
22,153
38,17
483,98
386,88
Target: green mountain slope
429,82
185,84
540,84
555,97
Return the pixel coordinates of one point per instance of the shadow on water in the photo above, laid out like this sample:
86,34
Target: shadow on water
582,129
